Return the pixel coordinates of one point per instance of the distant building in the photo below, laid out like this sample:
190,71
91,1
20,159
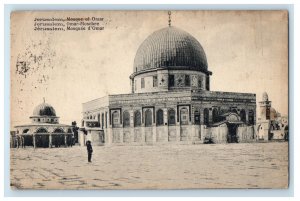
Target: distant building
44,130
271,125
170,100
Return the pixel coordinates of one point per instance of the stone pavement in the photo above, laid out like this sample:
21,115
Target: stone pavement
255,165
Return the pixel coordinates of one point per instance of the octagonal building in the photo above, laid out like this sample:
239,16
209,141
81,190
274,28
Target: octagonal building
170,100
44,130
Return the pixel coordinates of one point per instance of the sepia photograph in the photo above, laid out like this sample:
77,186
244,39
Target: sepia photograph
166,99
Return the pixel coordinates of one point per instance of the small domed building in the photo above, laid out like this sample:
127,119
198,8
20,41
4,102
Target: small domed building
44,129
170,100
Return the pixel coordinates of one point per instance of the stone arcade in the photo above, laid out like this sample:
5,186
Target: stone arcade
44,130
170,101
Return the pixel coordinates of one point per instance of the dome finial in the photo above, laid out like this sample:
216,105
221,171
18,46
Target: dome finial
169,13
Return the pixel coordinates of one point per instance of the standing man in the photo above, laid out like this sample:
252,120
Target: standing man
89,150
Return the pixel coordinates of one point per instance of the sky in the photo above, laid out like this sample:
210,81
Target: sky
247,51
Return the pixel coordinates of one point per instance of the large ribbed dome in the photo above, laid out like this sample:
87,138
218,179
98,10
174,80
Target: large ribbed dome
44,109
170,47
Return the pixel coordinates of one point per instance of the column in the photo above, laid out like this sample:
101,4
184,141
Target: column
18,141
201,116
154,133
65,135
50,141
178,129
247,116
131,114
143,133
121,133
23,141
33,139
210,120
166,126
108,135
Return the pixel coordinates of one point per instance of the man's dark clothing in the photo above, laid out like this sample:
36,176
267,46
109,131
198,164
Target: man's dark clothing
90,151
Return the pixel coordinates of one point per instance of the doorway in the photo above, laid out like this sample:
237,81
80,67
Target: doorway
232,136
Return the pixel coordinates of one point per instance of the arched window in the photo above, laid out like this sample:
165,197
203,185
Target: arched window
126,119
251,117
148,118
159,117
206,116
184,116
243,115
26,131
58,130
137,118
200,80
187,80
171,117
197,117
215,114
142,82
115,118
234,110
41,130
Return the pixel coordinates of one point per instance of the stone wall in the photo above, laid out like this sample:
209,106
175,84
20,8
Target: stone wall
216,134
278,134
177,134
246,133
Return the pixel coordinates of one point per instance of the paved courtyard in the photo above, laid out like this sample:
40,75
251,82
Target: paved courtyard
256,165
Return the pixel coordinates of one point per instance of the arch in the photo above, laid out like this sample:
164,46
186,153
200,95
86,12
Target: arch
215,115
126,119
115,118
233,117
59,139
42,141
148,118
159,117
251,117
41,130
234,110
206,116
243,115
25,131
187,80
137,118
197,117
171,117
184,116
58,130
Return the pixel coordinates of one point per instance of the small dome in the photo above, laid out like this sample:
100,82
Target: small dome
273,113
263,113
44,109
265,96
170,47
